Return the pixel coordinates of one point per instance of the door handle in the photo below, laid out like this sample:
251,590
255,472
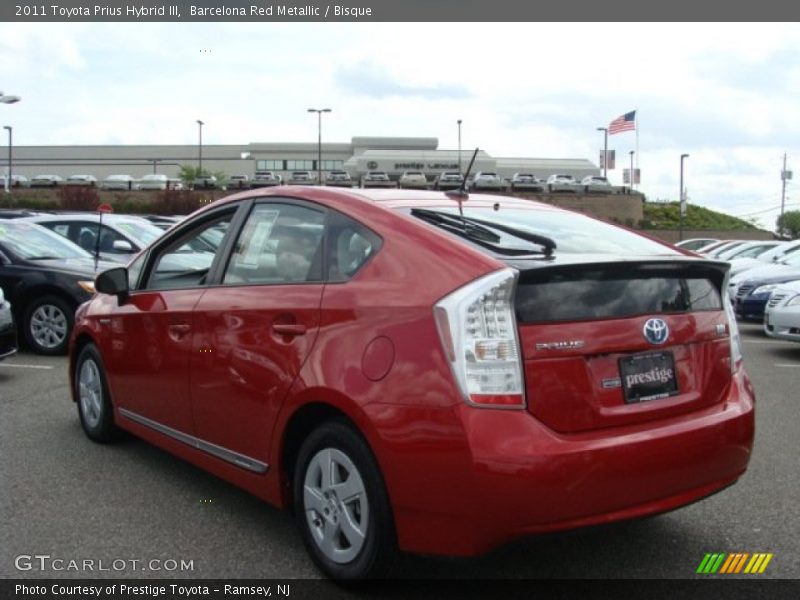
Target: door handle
289,328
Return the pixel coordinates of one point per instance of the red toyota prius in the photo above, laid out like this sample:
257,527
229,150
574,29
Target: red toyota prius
421,371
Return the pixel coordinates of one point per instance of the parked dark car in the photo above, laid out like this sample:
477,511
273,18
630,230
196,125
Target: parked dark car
752,295
8,330
45,277
409,370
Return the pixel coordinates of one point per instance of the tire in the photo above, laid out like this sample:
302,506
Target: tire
47,325
364,548
94,402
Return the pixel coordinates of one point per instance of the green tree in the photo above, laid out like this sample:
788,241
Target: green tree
789,224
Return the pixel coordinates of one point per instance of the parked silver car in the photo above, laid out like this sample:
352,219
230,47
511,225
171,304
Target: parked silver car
121,236
302,178
339,178
595,183
266,179
782,313
8,331
377,179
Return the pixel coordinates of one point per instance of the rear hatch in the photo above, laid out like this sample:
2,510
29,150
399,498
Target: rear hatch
609,344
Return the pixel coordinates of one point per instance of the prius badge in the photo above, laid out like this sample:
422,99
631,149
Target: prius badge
656,331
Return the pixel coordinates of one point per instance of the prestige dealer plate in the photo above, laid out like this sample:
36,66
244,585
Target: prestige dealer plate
648,376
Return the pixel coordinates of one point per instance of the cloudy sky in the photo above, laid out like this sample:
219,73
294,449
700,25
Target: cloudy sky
728,94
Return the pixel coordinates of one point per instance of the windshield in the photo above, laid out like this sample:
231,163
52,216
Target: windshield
573,233
32,242
140,231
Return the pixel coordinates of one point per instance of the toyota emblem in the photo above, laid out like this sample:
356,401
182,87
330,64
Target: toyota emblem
656,331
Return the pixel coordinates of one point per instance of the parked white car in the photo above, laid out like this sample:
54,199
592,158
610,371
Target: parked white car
749,249
17,181
302,178
89,180
526,182
448,180
153,181
47,181
486,181
695,244
782,314
266,179
117,182
413,179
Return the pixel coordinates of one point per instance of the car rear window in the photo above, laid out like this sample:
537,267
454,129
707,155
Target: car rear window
616,291
573,233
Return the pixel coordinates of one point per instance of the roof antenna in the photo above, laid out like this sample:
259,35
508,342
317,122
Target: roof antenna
461,194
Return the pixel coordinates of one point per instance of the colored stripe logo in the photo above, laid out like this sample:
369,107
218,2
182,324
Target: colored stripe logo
734,562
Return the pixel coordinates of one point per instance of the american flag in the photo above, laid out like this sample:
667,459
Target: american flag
626,122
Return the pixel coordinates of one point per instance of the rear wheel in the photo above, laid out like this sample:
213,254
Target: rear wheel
47,325
341,504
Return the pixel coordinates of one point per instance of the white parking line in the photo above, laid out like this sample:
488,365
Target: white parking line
745,340
15,366
788,365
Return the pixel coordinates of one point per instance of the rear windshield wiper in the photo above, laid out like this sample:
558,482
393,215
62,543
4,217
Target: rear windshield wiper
457,225
480,231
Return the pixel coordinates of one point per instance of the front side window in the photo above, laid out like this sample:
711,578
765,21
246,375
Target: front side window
279,244
187,259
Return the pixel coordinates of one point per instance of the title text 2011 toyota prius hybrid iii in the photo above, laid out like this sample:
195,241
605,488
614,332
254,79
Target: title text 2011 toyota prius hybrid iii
423,372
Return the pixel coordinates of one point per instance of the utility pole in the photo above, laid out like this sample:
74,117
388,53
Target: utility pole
784,176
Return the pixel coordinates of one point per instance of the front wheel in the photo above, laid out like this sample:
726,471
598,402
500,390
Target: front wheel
341,504
47,325
94,402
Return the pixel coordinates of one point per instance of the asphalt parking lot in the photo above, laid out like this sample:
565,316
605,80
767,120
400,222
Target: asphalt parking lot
63,496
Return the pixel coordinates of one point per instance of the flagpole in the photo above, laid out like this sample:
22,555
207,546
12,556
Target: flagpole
637,146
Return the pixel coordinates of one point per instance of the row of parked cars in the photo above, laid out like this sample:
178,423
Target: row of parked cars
393,368
764,284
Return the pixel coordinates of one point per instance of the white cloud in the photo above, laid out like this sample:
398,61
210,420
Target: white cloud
724,93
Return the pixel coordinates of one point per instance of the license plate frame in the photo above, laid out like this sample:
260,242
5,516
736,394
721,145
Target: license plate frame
649,376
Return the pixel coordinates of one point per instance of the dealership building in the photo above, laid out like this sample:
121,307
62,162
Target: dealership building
390,154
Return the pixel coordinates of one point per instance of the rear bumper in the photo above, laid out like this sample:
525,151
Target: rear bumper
515,477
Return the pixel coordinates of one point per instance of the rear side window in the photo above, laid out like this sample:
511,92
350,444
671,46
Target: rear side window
350,246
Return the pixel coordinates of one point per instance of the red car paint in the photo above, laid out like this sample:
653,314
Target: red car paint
211,362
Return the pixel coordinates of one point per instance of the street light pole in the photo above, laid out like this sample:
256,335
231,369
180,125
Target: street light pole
319,112
459,148
200,149
9,179
632,176
605,150
683,198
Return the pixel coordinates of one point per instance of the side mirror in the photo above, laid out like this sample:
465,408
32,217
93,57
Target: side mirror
123,246
113,282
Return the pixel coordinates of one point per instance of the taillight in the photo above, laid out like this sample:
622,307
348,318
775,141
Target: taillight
478,331
733,328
